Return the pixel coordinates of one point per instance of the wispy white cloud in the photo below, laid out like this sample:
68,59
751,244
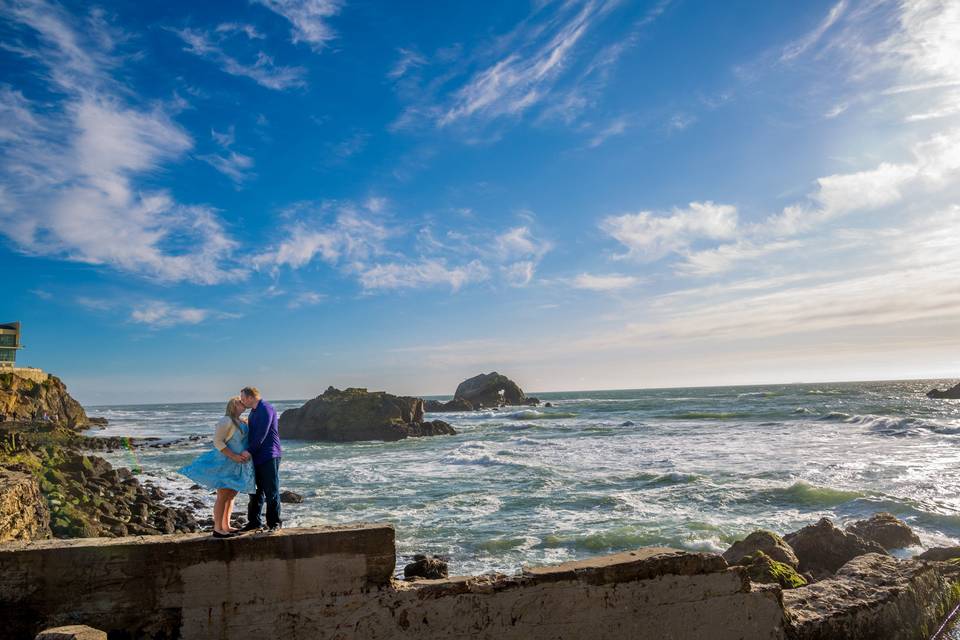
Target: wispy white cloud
69,173
246,29
236,166
309,19
651,236
606,282
521,252
306,299
352,237
163,314
520,80
263,70
615,127
799,46
426,272
408,60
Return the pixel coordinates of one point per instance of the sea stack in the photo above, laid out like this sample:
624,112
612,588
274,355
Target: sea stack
484,391
357,414
953,393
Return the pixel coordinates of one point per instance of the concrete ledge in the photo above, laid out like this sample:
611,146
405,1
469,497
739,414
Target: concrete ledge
163,586
335,583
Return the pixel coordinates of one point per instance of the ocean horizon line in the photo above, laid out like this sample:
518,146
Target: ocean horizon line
443,396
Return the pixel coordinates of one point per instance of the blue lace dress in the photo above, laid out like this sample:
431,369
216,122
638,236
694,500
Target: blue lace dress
214,470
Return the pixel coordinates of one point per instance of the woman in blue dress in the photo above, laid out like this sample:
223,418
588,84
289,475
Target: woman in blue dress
227,468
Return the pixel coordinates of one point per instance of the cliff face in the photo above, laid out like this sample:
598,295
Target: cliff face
23,509
25,399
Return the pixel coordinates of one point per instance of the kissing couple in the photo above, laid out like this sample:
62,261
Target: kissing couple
245,458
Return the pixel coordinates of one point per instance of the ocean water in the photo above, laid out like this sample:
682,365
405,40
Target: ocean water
606,471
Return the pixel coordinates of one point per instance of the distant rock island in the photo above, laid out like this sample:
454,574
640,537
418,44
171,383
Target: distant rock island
357,414
483,391
953,393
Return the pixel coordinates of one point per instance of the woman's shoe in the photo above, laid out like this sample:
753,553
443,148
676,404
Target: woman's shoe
217,534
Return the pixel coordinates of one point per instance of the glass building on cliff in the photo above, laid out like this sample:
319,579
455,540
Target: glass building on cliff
9,344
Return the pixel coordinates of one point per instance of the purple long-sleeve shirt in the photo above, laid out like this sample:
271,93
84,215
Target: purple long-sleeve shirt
264,436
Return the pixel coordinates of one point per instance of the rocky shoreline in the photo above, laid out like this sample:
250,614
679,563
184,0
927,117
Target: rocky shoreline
81,495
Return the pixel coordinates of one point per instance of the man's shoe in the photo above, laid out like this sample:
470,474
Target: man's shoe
250,527
275,527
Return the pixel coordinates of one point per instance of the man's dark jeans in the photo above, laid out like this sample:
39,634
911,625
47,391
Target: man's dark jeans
267,476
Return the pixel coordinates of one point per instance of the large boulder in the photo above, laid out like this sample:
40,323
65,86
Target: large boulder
953,393
34,396
886,530
426,566
357,414
823,548
872,596
940,554
766,541
765,570
491,390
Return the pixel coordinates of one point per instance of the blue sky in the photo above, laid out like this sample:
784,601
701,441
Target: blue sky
582,195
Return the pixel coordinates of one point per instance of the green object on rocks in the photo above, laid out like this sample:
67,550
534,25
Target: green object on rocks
764,569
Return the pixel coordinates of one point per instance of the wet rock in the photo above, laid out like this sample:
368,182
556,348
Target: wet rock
953,393
97,421
457,404
940,554
886,530
822,548
491,390
872,596
358,414
628,423
426,566
548,404
764,569
290,497
765,541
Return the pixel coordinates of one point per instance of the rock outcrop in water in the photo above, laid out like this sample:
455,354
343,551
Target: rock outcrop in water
484,391
37,396
357,414
953,393
886,530
822,548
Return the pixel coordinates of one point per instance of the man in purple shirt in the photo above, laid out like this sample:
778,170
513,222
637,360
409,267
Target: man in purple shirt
264,448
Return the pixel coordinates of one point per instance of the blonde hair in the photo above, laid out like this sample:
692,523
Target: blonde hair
234,409
251,392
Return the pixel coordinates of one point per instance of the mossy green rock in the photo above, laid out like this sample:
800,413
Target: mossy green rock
764,569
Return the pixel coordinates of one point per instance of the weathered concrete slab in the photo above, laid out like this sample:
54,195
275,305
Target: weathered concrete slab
72,632
177,585
872,596
336,583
